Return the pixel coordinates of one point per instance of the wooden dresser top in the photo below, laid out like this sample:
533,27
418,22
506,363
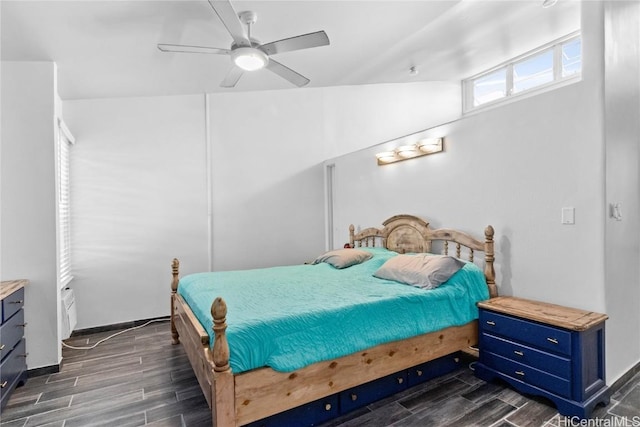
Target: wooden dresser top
10,286
551,314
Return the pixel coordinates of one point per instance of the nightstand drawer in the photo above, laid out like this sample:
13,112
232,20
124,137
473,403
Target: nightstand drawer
555,365
528,374
527,332
11,333
12,304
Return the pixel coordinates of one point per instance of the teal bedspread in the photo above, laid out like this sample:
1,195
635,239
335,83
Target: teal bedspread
293,316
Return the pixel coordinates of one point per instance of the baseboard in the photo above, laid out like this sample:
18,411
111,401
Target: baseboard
625,378
45,370
114,327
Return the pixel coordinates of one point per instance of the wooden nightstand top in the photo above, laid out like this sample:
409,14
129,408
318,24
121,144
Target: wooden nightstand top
10,286
551,314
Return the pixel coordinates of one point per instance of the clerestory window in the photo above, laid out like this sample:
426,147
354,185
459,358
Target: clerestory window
541,69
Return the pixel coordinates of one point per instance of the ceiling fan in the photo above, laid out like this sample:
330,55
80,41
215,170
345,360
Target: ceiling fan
247,53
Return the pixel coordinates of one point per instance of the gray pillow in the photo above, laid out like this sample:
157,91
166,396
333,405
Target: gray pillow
425,271
343,258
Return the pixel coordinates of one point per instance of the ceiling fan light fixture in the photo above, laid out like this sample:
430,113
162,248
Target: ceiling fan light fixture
249,58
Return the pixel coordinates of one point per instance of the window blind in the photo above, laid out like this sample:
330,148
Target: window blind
65,142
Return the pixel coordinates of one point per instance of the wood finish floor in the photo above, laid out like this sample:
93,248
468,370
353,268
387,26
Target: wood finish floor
139,378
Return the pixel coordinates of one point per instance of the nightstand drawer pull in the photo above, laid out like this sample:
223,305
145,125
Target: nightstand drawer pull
520,373
4,384
16,302
2,347
519,353
491,323
327,407
553,340
419,372
354,397
400,380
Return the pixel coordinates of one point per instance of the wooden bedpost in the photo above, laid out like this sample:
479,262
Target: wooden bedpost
489,271
220,345
175,272
223,387
352,234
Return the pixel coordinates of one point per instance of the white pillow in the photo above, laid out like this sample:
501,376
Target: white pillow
425,271
343,258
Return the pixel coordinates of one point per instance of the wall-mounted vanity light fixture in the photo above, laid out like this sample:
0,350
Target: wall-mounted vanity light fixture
411,151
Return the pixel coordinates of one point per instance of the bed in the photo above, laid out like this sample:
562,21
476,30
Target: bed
241,392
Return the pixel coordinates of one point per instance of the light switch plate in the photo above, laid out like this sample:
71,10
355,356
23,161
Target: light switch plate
568,216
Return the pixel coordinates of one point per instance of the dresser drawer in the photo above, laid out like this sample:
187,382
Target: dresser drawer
527,332
11,333
12,304
551,363
12,368
528,374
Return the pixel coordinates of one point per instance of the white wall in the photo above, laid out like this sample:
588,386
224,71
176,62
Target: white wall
357,117
622,102
28,200
267,154
516,166
267,178
139,199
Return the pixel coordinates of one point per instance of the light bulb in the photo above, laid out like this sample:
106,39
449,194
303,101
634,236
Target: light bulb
249,58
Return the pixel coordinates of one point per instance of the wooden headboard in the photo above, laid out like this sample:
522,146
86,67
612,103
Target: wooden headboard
408,233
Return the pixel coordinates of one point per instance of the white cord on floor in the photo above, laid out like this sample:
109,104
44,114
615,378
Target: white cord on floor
111,336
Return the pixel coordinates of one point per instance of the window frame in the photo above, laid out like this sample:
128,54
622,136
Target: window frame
558,80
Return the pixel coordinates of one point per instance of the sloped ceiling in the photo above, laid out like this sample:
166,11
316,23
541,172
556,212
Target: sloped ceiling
108,48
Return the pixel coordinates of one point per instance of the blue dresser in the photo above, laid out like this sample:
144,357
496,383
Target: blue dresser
13,356
546,350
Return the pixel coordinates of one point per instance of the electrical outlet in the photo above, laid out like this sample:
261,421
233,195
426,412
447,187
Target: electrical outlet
616,211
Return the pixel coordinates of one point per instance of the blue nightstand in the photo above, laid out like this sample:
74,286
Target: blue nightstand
545,350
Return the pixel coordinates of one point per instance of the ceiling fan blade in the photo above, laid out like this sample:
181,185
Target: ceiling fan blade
229,18
305,41
192,49
287,73
232,77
